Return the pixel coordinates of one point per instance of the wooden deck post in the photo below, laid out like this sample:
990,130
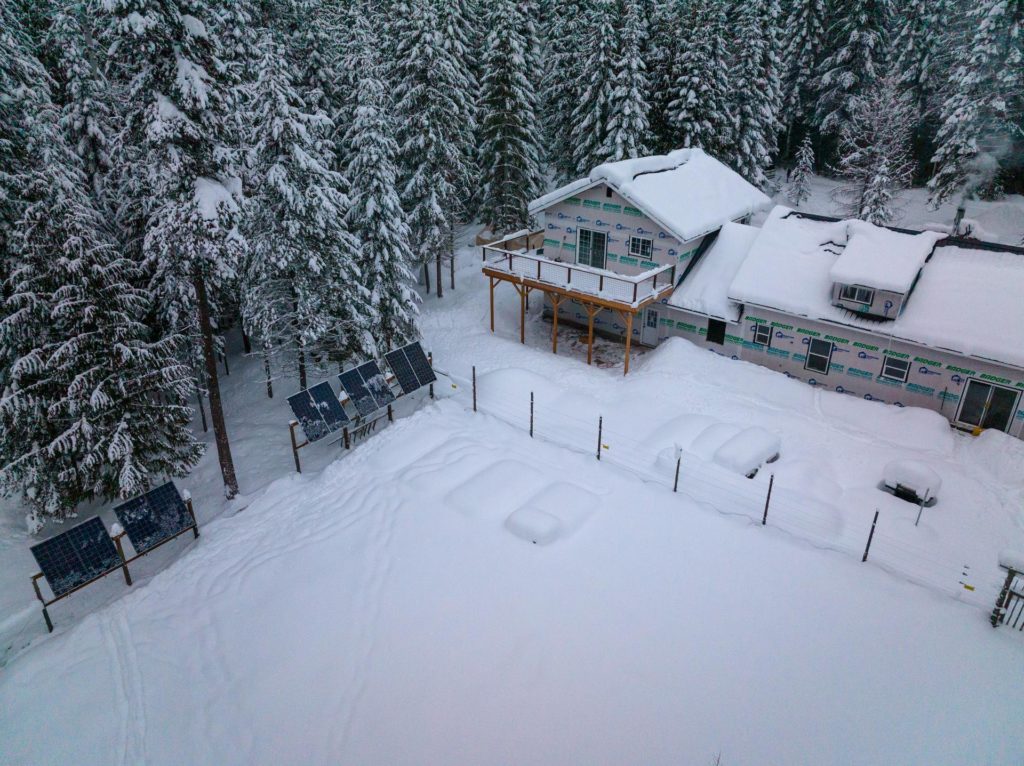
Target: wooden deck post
629,338
522,314
556,301
491,280
591,313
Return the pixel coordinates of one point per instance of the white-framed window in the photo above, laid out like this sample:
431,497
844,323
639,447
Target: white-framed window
857,294
591,248
895,369
641,247
762,335
819,355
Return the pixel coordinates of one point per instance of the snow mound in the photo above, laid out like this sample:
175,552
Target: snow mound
748,450
534,525
1000,454
1012,560
476,495
711,439
913,474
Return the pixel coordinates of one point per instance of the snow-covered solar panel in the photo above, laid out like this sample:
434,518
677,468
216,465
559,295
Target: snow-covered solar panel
357,391
77,556
154,517
376,383
318,411
420,363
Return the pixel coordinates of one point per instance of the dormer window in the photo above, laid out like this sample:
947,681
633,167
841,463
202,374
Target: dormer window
856,294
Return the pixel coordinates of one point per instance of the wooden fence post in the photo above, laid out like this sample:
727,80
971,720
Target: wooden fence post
531,414
474,388
675,484
600,424
124,564
348,442
871,536
295,445
767,500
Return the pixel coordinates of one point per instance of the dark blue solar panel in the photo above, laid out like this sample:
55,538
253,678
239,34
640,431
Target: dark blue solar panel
420,364
308,415
152,518
327,404
357,392
399,364
376,384
77,556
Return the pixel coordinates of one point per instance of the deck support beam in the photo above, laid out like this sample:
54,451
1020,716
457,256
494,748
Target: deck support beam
491,281
629,338
591,310
556,302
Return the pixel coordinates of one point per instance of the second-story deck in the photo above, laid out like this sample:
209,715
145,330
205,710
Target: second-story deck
517,260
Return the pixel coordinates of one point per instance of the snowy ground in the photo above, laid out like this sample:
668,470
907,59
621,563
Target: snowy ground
378,609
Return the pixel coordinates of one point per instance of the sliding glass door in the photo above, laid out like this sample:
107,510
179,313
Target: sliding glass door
591,248
987,406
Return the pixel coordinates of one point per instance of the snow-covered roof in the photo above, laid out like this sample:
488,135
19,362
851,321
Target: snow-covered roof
686,191
705,289
967,300
882,258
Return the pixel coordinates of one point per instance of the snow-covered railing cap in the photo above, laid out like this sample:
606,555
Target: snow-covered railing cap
1012,560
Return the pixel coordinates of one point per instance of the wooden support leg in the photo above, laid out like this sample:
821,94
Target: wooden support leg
124,564
591,313
192,513
522,315
492,281
39,595
629,338
556,302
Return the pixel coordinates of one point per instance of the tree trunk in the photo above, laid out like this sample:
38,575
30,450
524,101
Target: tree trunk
266,368
246,345
302,370
426,275
440,273
451,261
220,431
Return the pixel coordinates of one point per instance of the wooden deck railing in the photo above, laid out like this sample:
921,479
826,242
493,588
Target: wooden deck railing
572,276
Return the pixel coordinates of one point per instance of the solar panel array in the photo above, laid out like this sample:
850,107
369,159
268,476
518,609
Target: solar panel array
411,367
318,411
367,388
154,517
77,556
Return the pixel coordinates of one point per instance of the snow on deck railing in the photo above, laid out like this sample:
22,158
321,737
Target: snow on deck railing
622,288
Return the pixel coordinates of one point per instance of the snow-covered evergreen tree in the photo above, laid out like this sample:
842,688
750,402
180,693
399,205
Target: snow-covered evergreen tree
874,153
181,183
592,110
429,91
699,110
666,20
509,134
303,294
983,125
562,82
858,40
90,406
799,187
628,131
87,116
803,33
376,216
458,26
755,96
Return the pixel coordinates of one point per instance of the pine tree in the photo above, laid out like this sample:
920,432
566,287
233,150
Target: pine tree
457,31
699,110
874,149
858,38
87,116
429,94
181,182
756,100
922,60
592,111
628,130
509,135
666,26
984,114
562,81
91,406
799,188
804,36
303,294
377,218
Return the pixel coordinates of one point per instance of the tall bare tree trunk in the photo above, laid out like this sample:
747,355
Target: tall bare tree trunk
437,263
302,370
451,261
220,431
266,368
426,276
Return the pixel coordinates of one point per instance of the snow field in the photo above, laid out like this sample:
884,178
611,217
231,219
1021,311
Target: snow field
364,616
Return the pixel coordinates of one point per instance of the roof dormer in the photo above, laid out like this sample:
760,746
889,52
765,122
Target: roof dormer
877,268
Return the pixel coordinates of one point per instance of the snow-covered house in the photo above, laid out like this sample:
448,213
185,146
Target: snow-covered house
935,321
615,244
